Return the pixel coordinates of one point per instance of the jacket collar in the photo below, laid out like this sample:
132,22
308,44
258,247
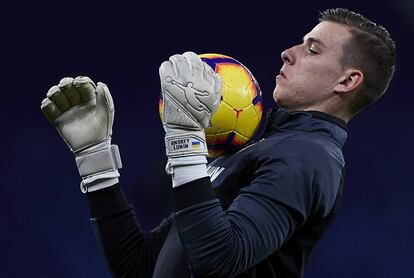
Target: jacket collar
306,121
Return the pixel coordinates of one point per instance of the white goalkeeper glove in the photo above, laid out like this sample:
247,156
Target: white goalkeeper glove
191,93
83,114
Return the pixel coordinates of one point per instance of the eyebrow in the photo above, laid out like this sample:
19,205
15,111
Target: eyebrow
314,40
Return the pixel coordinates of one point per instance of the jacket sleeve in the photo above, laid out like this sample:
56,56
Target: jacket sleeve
129,251
261,218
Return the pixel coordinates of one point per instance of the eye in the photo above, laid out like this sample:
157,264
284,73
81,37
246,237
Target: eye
312,51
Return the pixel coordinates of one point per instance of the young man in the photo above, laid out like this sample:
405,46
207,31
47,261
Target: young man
264,208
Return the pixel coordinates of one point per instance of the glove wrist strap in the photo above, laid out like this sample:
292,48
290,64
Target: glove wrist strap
179,143
98,166
186,169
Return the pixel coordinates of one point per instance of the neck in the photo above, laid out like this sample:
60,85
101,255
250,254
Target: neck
324,109
336,113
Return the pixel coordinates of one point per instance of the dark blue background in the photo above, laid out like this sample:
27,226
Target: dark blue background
44,219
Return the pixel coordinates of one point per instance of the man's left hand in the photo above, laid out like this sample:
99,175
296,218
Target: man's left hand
191,93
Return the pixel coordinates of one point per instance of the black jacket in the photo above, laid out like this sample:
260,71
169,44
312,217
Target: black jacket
261,215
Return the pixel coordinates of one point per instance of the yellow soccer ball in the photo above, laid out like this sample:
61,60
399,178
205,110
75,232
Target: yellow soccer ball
240,111
239,114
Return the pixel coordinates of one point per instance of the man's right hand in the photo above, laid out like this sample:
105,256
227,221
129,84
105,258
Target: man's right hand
83,114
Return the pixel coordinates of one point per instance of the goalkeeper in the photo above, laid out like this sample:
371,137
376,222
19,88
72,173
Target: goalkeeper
264,208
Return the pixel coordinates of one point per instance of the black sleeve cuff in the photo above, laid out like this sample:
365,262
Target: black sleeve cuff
192,193
107,201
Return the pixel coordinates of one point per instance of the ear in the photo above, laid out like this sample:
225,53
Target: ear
351,80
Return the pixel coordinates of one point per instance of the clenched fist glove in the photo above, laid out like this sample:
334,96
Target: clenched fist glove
83,114
191,93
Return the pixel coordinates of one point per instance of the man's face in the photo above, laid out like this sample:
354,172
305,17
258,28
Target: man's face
311,70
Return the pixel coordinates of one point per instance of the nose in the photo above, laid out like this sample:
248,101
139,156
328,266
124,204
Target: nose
287,56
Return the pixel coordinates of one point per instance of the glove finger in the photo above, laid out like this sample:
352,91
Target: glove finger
192,56
218,86
209,69
181,67
168,81
104,95
195,64
50,110
217,93
166,70
105,106
85,87
208,74
59,98
70,91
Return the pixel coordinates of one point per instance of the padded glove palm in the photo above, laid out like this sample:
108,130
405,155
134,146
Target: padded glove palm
83,114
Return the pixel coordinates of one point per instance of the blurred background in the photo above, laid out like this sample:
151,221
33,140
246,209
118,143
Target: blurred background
44,218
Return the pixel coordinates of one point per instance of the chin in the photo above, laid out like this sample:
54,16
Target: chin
278,98
276,95
285,99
